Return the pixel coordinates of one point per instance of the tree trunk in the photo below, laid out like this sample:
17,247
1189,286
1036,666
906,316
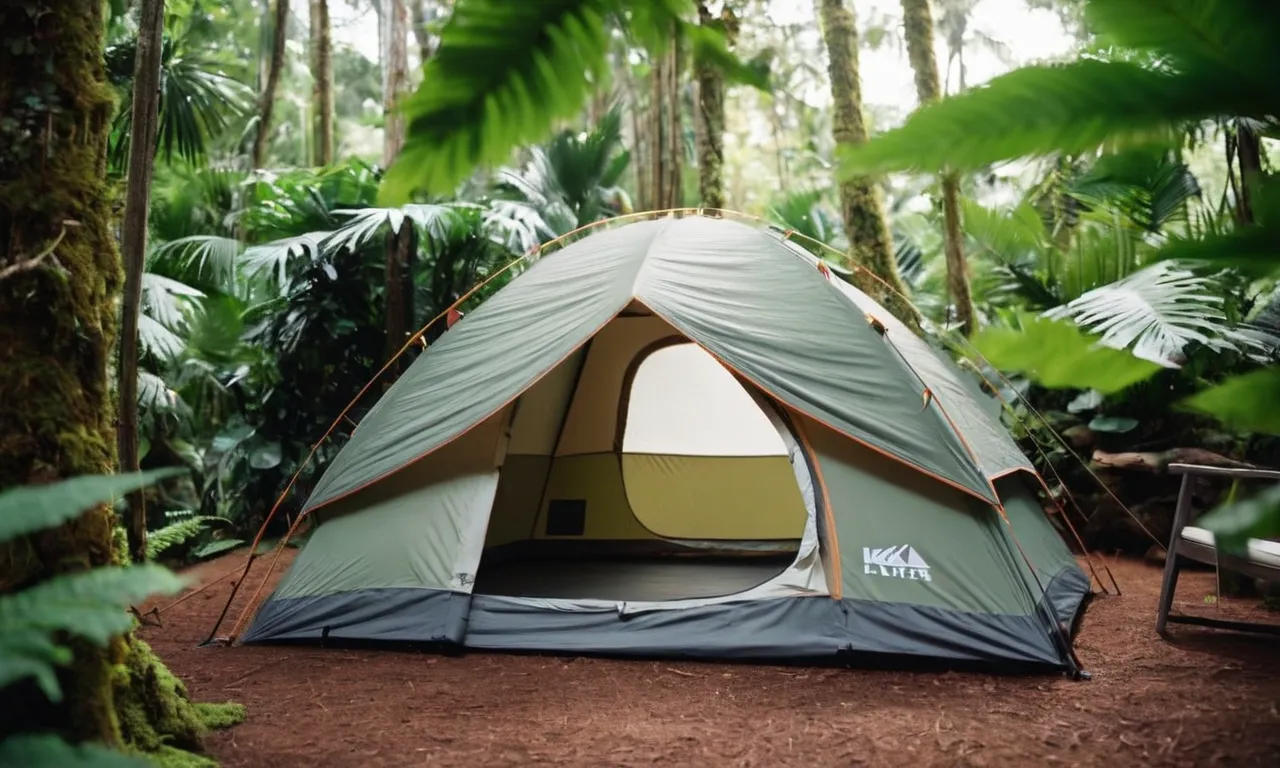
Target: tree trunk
133,245
710,118
1249,156
322,82
400,247
60,278
675,131
861,201
268,103
420,33
918,24
657,152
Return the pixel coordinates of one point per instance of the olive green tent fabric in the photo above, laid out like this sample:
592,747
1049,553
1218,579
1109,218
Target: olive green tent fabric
737,291
937,547
954,390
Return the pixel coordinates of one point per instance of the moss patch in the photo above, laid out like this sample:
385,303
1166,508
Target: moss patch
215,717
152,705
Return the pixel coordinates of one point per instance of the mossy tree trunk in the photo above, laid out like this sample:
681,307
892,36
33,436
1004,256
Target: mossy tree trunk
861,200
918,24
322,82
60,279
710,118
133,246
267,104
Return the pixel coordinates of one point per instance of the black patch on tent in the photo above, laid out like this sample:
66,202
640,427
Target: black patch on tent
566,517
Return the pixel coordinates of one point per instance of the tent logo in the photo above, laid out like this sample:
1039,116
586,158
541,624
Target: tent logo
900,562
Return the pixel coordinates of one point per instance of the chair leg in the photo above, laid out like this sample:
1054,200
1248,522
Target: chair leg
1167,588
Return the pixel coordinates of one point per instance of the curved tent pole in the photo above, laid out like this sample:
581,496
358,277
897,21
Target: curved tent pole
415,338
257,539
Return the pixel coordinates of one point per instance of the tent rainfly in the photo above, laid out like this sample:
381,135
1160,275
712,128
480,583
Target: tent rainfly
684,436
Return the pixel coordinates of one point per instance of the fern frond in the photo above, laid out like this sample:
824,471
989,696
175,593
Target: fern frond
45,750
1054,108
175,534
32,508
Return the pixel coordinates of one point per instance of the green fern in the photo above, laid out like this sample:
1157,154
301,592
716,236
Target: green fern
28,509
176,534
42,750
91,604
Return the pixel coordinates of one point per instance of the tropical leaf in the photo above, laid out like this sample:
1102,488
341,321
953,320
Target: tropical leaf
168,301
44,751
1247,403
216,547
1156,312
1043,109
1058,355
366,224
272,260
156,340
212,257
1234,523
31,508
175,534
89,604
1237,37
502,74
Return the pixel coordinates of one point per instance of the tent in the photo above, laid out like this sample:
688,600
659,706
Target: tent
684,436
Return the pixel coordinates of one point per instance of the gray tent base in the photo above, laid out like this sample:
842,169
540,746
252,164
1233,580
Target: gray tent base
809,630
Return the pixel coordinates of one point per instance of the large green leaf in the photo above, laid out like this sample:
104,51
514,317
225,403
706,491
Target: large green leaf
32,508
1050,108
44,751
502,75
1156,312
1257,517
90,604
1237,36
1058,355
1250,402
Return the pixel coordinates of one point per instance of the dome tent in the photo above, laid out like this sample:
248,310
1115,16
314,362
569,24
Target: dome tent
683,436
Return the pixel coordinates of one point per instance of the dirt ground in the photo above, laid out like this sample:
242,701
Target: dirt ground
1208,698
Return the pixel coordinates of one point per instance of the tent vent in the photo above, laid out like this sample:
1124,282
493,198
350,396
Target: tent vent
566,517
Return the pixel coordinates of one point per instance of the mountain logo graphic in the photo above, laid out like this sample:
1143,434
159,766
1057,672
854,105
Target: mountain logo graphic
900,562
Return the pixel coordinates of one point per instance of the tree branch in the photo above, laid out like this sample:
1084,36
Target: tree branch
35,261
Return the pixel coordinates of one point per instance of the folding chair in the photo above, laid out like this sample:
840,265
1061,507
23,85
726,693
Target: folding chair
1260,560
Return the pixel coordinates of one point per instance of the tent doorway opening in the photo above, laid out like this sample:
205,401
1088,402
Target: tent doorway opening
642,470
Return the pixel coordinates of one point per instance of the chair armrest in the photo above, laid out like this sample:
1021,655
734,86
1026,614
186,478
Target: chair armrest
1241,473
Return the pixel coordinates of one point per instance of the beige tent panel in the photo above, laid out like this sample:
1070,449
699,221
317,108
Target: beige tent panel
440,505
596,479
682,402
592,422
541,410
715,497
515,508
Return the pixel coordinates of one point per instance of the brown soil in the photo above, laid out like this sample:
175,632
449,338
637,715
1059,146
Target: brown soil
1206,698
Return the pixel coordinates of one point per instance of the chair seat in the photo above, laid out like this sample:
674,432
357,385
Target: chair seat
1260,551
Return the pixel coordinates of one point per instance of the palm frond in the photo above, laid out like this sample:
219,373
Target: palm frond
168,301
366,224
271,260
206,258
503,73
1156,312
1038,110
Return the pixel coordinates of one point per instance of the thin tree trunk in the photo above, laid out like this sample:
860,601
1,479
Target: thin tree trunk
1249,155
675,132
401,246
657,156
421,36
60,279
918,24
322,82
710,123
133,244
861,200
268,103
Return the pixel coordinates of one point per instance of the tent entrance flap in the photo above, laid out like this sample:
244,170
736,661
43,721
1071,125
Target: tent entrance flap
665,480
